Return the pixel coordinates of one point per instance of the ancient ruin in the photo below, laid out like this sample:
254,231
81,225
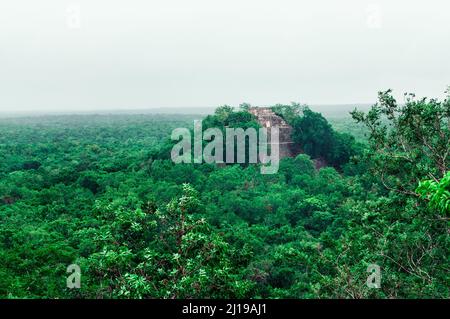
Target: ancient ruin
268,119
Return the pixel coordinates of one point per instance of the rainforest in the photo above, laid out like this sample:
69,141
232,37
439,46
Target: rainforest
99,193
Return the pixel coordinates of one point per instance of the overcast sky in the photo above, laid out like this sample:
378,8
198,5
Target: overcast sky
58,55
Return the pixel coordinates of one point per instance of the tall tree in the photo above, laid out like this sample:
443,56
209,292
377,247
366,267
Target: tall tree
407,142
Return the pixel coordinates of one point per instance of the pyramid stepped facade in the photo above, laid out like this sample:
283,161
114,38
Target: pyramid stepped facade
268,119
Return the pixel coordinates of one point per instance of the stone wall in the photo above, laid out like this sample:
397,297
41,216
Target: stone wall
268,119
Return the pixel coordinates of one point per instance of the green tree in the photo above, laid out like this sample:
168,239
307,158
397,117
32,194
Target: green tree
162,253
437,193
407,142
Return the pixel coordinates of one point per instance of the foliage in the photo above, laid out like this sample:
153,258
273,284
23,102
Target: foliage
407,141
316,137
438,193
101,191
160,253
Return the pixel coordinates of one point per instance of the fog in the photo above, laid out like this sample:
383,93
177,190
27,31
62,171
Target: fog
89,55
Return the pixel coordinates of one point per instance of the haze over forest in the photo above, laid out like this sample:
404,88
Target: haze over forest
110,188
66,56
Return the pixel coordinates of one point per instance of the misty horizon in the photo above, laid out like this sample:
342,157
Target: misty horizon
329,110
65,56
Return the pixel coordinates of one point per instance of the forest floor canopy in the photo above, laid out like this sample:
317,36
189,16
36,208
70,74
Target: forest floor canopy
101,192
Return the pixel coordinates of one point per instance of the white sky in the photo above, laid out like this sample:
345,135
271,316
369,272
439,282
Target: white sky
174,53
